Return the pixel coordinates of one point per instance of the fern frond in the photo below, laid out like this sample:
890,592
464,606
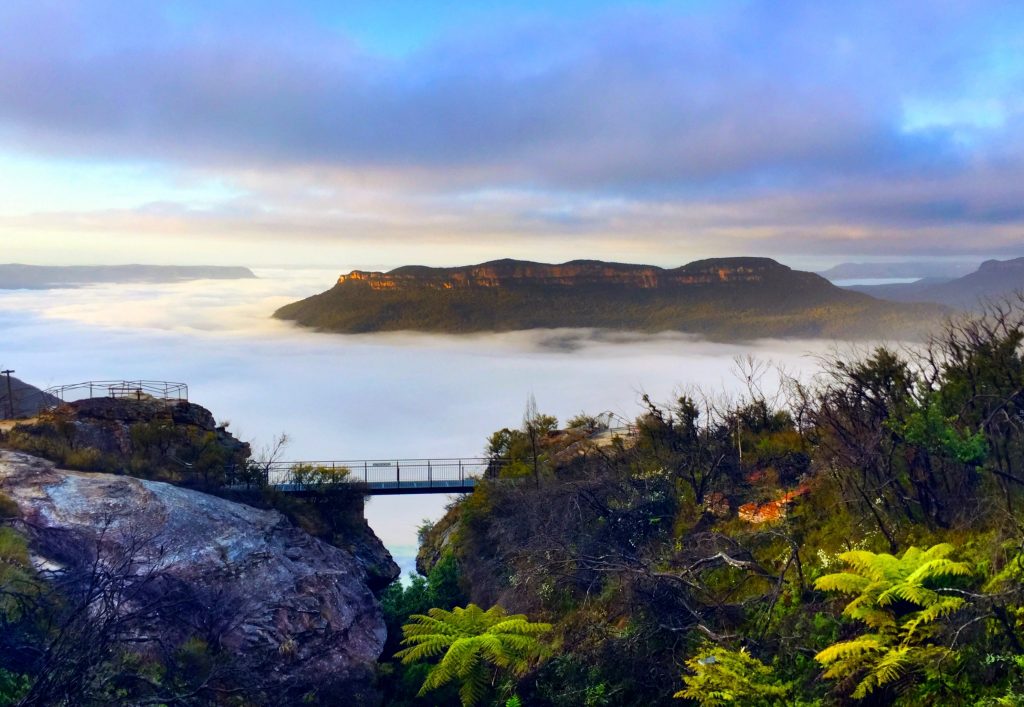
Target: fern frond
938,610
847,649
865,608
938,568
922,596
474,685
862,561
845,582
429,648
874,617
892,665
938,551
520,625
471,639
444,672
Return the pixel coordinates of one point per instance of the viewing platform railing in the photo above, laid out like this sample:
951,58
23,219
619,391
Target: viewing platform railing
131,389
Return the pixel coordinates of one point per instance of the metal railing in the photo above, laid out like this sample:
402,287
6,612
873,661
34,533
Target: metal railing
379,476
130,389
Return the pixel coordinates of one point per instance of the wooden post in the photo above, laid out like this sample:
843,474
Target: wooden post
10,394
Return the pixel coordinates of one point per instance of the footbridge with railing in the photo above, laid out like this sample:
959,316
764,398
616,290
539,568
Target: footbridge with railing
375,477
367,476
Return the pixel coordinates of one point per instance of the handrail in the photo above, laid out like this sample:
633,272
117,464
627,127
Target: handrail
161,390
449,474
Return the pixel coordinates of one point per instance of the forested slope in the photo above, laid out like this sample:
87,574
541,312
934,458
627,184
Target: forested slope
854,541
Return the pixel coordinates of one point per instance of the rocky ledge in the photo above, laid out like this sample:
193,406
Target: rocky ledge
296,614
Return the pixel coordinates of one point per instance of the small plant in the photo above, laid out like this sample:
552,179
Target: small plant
311,476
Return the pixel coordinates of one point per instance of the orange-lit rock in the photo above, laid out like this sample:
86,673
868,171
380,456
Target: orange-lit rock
577,273
772,510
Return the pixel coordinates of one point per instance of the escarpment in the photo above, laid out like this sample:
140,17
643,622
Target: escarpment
720,298
577,273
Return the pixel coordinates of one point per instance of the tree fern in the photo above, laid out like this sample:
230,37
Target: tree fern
903,601
474,643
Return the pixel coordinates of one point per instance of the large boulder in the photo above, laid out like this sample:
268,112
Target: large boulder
297,614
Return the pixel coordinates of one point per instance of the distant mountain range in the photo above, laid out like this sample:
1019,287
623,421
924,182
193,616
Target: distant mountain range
722,298
899,270
15,276
995,279
28,400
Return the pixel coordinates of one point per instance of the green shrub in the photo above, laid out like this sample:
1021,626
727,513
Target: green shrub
722,677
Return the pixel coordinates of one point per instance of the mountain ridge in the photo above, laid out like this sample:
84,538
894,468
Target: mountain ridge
18,276
899,269
508,272
721,298
993,280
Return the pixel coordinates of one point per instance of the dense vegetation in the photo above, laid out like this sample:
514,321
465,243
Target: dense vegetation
854,540
779,303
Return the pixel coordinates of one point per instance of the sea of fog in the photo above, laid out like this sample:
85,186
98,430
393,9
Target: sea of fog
354,397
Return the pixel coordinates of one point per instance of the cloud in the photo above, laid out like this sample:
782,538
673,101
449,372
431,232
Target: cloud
832,112
750,90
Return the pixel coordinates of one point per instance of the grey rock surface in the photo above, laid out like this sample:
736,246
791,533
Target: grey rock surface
296,612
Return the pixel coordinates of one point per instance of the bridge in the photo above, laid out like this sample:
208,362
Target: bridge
374,477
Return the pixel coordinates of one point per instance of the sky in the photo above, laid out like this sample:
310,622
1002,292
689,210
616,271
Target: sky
274,133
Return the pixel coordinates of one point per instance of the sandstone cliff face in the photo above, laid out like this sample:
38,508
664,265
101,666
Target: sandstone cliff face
511,273
295,613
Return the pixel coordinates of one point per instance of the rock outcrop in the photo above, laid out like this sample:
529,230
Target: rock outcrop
176,441
164,438
721,298
296,614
